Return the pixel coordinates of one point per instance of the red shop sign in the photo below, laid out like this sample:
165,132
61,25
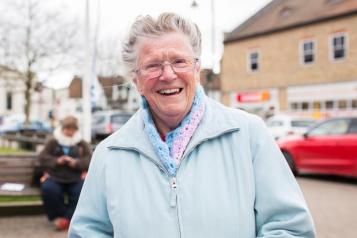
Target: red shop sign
253,96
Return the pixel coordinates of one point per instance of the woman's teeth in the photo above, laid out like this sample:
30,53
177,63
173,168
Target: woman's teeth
169,91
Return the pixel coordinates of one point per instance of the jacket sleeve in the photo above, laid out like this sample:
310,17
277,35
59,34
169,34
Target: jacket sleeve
46,157
280,208
91,218
85,155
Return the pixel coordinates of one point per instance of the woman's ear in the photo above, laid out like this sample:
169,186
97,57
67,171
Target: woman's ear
137,85
198,72
198,67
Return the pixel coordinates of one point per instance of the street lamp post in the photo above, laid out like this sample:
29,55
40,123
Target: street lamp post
194,4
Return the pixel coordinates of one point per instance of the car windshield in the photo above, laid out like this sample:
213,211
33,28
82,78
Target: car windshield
98,119
274,123
120,118
334,127
302,123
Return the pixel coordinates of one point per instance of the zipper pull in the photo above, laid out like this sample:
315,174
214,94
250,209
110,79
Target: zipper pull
173,192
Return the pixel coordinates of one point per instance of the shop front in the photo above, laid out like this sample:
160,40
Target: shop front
264,103
323,100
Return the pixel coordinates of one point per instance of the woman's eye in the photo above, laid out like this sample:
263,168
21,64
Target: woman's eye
153,66
179,62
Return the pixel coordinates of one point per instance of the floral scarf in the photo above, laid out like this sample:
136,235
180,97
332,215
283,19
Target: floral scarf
172,149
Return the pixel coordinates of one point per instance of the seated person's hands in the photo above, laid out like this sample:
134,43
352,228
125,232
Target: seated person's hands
61,160
64,159
70,161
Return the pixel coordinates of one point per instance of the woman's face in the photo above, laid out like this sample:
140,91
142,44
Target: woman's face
170,95
69,131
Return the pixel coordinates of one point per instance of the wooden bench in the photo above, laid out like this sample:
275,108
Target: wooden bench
26,140
18,169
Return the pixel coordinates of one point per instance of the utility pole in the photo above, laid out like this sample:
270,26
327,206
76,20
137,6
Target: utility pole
194,5
86,82
213,39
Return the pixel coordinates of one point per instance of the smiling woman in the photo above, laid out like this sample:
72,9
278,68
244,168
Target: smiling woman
171,92
184,165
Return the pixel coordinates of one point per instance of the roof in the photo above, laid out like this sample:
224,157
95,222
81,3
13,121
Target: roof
5,70
280,15
107,84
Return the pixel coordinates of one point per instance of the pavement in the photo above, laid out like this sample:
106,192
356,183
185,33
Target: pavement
28,227
332,202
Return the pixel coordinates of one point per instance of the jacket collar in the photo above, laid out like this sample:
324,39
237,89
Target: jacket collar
216,121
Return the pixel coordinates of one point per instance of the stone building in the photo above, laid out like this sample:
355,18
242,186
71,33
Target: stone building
12,98
296,56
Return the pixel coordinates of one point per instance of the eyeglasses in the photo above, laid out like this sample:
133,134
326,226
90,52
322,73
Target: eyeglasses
155,69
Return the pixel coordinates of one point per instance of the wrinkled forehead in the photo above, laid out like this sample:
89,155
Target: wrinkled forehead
166,46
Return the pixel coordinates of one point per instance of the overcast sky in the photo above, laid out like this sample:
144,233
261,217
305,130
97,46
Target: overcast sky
115,17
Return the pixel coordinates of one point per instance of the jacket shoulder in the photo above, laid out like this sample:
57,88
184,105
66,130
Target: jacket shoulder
233,115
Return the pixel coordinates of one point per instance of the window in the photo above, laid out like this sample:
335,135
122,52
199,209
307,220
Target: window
353,127
338,47
342,104
354,103
302,123
120,118
305,106
334,127
308,52
8,100
98,120
329,104
253,61
274,123
316,105
294,106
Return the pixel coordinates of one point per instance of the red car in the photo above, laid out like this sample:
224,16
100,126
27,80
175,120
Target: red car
330,147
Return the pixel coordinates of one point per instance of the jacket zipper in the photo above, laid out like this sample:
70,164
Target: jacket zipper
173,180
173,192
172,183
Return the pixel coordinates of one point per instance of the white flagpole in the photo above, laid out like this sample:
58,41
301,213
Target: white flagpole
86,84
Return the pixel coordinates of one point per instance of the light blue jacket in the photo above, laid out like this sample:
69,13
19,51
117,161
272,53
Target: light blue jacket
233,182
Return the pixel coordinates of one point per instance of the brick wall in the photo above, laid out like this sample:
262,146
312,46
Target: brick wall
280,64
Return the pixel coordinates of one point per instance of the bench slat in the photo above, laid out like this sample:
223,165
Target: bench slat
16,162
17,169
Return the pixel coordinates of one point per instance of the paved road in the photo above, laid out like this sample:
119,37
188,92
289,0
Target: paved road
332,201
333,204
28,227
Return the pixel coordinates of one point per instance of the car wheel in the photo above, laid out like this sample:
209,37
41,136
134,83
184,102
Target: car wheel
290,161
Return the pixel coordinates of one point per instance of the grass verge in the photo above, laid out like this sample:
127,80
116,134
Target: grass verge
25,198
8,150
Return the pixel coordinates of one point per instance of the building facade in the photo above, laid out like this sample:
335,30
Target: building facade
12,98
294,56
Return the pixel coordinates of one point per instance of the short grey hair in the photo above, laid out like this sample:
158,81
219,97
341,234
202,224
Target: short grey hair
149,27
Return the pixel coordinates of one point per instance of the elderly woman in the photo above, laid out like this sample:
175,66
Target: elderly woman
65,158
185,165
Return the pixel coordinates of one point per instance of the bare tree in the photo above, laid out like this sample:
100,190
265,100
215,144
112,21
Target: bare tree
108,57
34,38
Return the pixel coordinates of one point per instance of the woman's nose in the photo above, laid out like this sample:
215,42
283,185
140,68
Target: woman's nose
167,72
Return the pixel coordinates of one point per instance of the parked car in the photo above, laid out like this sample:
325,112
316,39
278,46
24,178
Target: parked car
281,126
328,148
105,123
17,126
